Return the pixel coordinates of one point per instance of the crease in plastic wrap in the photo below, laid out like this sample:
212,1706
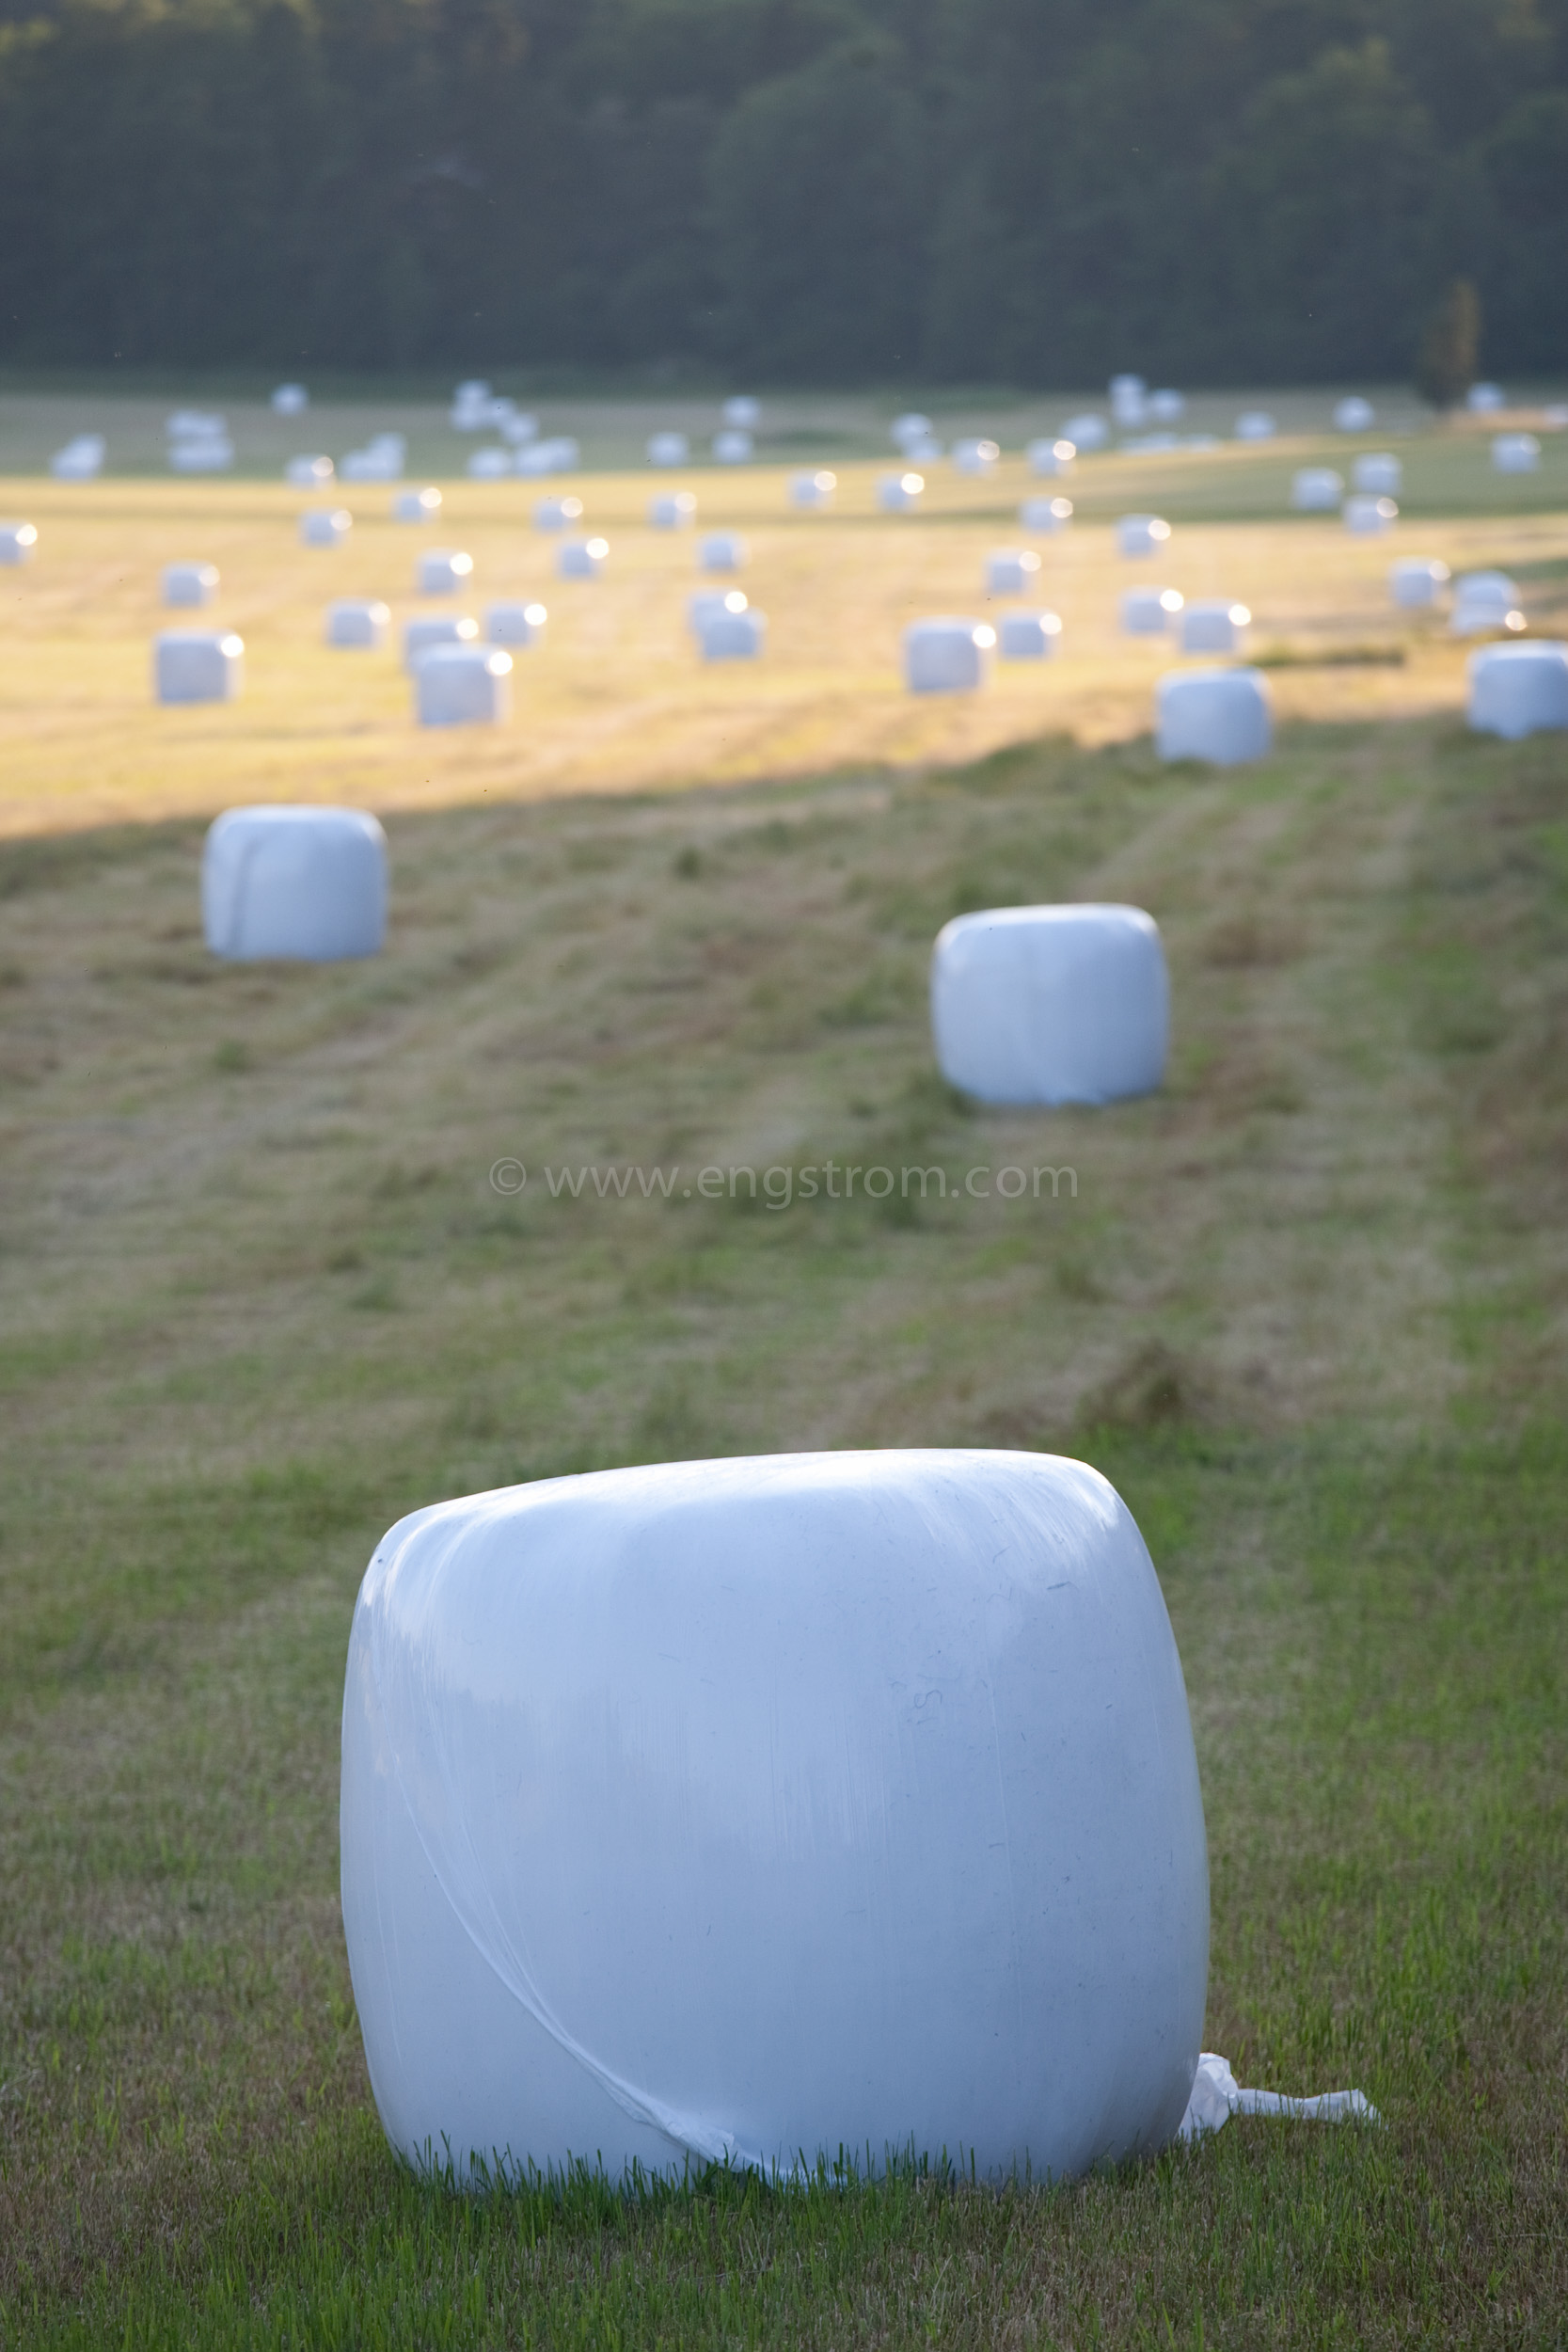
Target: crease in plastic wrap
750,1810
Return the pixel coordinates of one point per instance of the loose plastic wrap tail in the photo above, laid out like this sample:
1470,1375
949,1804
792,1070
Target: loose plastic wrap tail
1216,2096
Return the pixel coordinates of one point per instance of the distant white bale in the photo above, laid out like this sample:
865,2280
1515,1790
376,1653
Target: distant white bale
1010,571
290,400
1212,625
190,583
443,571
727,636
1142,535
1051,1005
900,493
462,686
582,559
388,445
308,884
1483,400
1353,414
1150,612
1167,407
470,405
1202,441
212,453
372,465
514,624
1515,452
358,622
672,510
1555,417
912,426
668,449
424,634
731,447
1365,518
1151,444
17,542
1028,636
743,411
1254,425
518,427
1416,581
195,424
555,514
974,457
1317,490
1046,458
721,552
81,460
490,465
309,473
1087,432
1223,716
927,451
197,665
1045,514
813,490
705,604
1483,601
325,526
1381,474
1519,690
416,506
1129,401
946,656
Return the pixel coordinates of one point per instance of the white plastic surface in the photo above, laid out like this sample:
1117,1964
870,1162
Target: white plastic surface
1484,400
674,510
1515,452
1483,601
325,526
668,449
1216,2096
1254,425
462,686
1050,458
1213,626
416,506
755,1808
1028,636
946,656
732,448
308,883
81,460
721,552
309,473
1353,414
1224,716
977,457
813,491
197,665
1317,490
910,427
1142,535
427,630
1150,612
17,542
1366,517
744,410
1045,515
190,583
443,571
1381,474
514,624
1416,581
582,559
1051,1005
1517,691
900,493
290,400
556,513
358,622
1011,571
1086,431
724,635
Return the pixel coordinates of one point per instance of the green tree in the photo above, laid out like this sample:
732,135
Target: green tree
1449,346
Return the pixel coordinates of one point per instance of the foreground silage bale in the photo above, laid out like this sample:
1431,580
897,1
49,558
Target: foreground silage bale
307,885
813,492
416,506
1517,691
1142,535
1150,612
1416,582
948,656
1353,414
1045,515
357,624
1515,452
18,542
1210,624
429,632
900,493
190,584
1051,1005
564,1939
1367,518
1049,459
325,526
443,572
1381,474
1011,571
674,510
514,624
669,449
1317,490
1028,636
310,472
462,686
1221,716
197,665
721,552
582,559
1483,601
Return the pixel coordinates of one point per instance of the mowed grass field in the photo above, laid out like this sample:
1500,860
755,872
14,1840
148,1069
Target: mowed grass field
1308,1308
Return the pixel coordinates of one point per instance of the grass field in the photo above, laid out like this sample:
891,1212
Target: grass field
1308,1308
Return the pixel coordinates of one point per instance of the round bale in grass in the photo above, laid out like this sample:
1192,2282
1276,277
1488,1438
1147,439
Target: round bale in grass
1382,474
1142,535
309,473
1045,515
1150,612
975,457
197,665
1048,457
416,506
1353,414
744,410
428,630
1317,490
672,510
1223,716
1515,452
17,542
306,883
1367,518
1483,601
325,526
514,624
1416,581
732,448
190,583
462,686
745,1811
721,552
1519,690
1254,425
668,449
945,655
725,635
357,623
443,571
1028,636
1010,571
1051,1005
1213,626
900,493
290,400
556,513
813,492
581,559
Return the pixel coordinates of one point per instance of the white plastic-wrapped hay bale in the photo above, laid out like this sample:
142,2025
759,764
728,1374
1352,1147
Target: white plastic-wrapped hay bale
556,513
462,686
749,1810
514,624
948,656
1317,490
910,427
1254,425
732,448
443,572
518,426
1167,406
1221,716
1150,612
197,665
1028,636
1515,452
1381,474
1210,624
900,493
1366,517
724,634
1484,400
358,624
325,526
470,405
1142,535
190,583
668,449
198,442
1353,414
305,884
1051,1005
1045,515
975,457
1049,459
490,465
1483,601
743,411
705,603
582,559
1517,691
18,542
1129,396
309,473
721,552
672,510
1416,582
1011,571
381,460
1087,432
290,400
428,631
81,460
416,506
813,492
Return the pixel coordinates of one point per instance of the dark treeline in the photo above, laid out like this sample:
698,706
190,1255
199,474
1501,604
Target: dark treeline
835,190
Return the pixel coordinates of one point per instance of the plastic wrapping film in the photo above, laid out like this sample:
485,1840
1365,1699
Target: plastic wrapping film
1216,2096
1051,1005
309,883
751,1809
